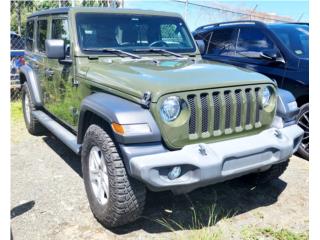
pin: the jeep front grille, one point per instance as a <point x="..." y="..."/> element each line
<point x="217" y="112"/>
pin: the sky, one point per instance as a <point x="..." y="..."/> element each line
<point x="197" y="16"/>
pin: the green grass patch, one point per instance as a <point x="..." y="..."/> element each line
<point x="271" y="234"/>
<point x="16" y="111"/>
<point x="199" y="224"/>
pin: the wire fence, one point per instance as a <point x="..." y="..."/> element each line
<point x="16" y="61"/>
<point x="198" y="13"/>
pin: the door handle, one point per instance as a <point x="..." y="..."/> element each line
<point x="49" y="72"/>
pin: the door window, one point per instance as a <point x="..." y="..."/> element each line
<point x="222" y="43"/>
<point x="251" y="42"/>
<point x="42" y="35"/>
<point x="60" y="30"/>
<point x="29" y="35"/>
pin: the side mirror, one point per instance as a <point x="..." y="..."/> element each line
<point x="55" y="49"/>
<point x="272" y="55"/>
<point x="201" y="46"/>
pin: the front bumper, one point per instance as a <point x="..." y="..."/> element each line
<point x="204" y="164"/>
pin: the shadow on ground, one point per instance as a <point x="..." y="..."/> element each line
<point x="21" y="209"/>
<point x="228" y="199"/>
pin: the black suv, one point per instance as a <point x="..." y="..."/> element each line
<point x="278" y="50"/>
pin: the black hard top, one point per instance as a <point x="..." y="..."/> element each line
<point x="50" y="12"/>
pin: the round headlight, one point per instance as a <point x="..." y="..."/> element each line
<point x="170" y="108"/>
<point x="266" y="96"/>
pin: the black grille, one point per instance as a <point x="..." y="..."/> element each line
<point x="236" y="107"/>
<point x="239" y="107"/>
<point x="248" y="100"/>
<point x="217" y="111"/>
<point x="257" y="105"/>
<point x="228" y="101"/>
<point x="205" y="109"/>
<point x="192" y="121"/>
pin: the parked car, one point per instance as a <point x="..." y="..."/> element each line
<point x="16" y="56"/>
<point x="129" y="92"/>
<point x="278" y="50"/>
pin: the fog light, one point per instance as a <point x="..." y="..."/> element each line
<point x="174" y="173"/>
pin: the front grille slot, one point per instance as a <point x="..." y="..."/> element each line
<point x="248" y="101"/>
<point x="192" y="121"/>
<point x="217" y="111"/>
<point x="205" y="110"/>
<point x="238" y="107"/>
<point x="257" y="105"/>
<point x="223" y="112"/>
<point x="228" y="101"/>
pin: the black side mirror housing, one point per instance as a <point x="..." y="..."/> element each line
<point x="201" y="46"/>
<point x="272" y="55"/>
<point x="55" y="49"/>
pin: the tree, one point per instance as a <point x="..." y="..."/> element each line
<point x="19" y="10"/>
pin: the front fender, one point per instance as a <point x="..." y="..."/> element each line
<point x="114" y="109"/>
<point x="33" y="84"/>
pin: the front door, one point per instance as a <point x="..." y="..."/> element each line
<point x="65" y="102"/>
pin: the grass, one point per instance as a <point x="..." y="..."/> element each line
<point x="198" y="225"/>
<point x="271" y="234"/>
<point x="16" y="111"/>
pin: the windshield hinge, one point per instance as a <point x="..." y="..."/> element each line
<point x="146" y="100"/>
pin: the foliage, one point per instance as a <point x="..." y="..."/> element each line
<point x="16" y="111"/>
<point x="269" y="233"/>
<point x="20" y="9"/>
<point x="202" y="225"/>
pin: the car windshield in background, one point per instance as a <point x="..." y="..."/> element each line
<point x="132" y="32"/>
<point x="294" y="36"/>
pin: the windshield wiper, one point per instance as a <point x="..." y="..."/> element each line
<point x="112" y="50"/>
<point x="158" y="50"/>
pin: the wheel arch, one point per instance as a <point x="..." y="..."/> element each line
<point x="112" y="109"/>
<point x="301" y="100"/>
<point x="27" y="75"/>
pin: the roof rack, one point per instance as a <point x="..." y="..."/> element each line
<point x="230" y="23"/>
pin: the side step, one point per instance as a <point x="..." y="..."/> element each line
<point x="59" y="131"/>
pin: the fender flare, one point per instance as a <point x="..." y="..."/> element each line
<point x="287" y="107"/>
<point x="114" y="109"/>
<point x="33" y="84"/>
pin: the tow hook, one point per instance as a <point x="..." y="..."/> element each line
<point x="202" y="150"/>
<point x="277" y="133"/>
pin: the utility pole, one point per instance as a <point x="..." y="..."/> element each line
<point x="186" y="10"/>
<point x="300" y="17"/>
<point x="253" y="10"/>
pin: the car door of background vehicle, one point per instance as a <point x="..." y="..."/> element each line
<point x="242" y="47"/>
<point x="66" y="104"/>
<point x="250" y="42"/>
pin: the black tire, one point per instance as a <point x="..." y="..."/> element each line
<point x="33" y="125"/>
<point x="303" y="122"/>
<point x="264" y="177"/>
<point x="126" y="196"/>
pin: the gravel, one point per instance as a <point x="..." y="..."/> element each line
<point x="48" y="199"/>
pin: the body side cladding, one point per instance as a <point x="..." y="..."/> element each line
<point x="114" y="109"/>
<point x="33" y="84"/>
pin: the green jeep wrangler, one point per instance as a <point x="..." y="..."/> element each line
<point x="129" y="92"/>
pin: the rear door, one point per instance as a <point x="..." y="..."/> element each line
<point x="40" y="60"/>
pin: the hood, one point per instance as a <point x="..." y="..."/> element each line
<point x="135" y="77"/>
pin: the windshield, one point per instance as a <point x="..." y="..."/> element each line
<point x="132" y="32"/>
<point x="295" y="37"/>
